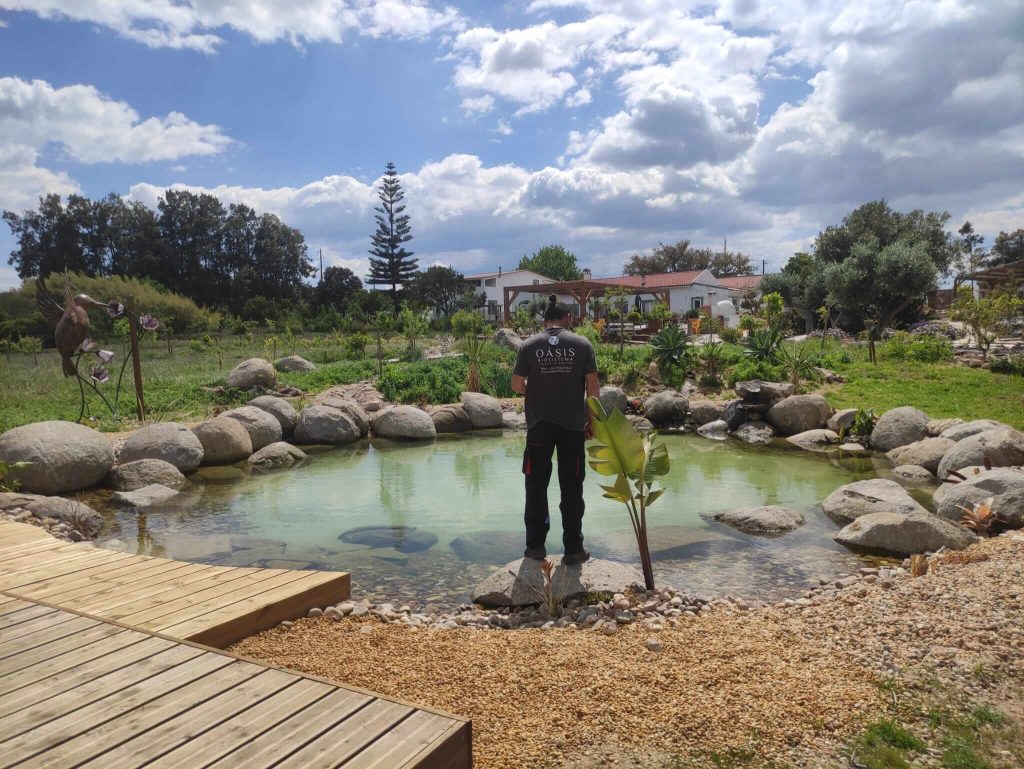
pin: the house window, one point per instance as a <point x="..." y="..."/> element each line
<point x="697" y="302"/>
<point x="492" y="308"/>
<point x="646" y="305"/>
<point x="491" y="282"/>
<point x="536" y="282"/>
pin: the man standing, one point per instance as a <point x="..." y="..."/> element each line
<point x="556" y="370"/>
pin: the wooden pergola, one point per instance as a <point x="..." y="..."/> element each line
<point x="580" y="290"/>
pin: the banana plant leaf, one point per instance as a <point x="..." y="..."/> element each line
<point x="620" y="448"/>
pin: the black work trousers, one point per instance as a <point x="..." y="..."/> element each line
<point x="543" y="440"/>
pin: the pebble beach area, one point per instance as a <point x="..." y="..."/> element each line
<point x="787" y="685"/>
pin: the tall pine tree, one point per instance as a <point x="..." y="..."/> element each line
<point x="390" y="263"/>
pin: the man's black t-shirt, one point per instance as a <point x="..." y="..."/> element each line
<point x="555" y="362"/>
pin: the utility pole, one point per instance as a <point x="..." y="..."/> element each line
<point x="762" y="266"/>
<point x="321" y="265"/>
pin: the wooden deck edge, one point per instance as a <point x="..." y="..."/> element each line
<point x="265" y="617"/>
<point x="453" y="750"/>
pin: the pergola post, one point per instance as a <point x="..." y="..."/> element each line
<point x="510" y="296"/>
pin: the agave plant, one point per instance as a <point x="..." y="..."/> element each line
<point x="763" y="345"/>
<point x="668" y="347"/>
<point x="711" y="355"/>
<point x="635" y="461"/>
<point x="982" y="520"/>
<point x="798" y="363"/>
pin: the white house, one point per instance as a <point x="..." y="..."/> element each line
<point x="493" y="284"/>
<point x="683" y="291"/>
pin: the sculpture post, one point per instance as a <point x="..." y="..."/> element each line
<point x="133" y="327"/>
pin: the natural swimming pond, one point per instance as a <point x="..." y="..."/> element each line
<point x="456" y="507"/>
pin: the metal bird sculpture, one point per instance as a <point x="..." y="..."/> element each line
<point x="71" y="318"/>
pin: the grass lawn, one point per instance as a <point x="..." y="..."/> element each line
<point x="938" y="389"/>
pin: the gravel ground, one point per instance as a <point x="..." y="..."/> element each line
<point x="789" y="685"/>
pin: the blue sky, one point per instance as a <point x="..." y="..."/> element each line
<point x="606" y="125"/>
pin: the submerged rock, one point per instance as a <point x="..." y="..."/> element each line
<point x="521" y="583"/>
<point x="405" y="539"/>
<point x="147" y="496"/>
<point x="902" y="535"/>
<point x="144" y="472"/>
<point x="279" y="454"/>
<point x="768" y="519"/>
<point x="491" y="547"/>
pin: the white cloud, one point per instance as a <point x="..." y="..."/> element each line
<point x="92" y="128"/>
<point x="22" y="181"/>
<point x="481" y="104"/>
<point x="193" y="23"/>
<point x="578" y="98"/>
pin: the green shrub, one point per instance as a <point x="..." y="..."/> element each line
<point x="920" y="348"/>
<point x="355" y="345"/>
<point x="730" y="335"/>
<point x="443" y="379"/>
<point x="748" y="368"/>
<point x="586" y="329"/>
<point x="1011" y="364"/>
<point x="466" y="322"/>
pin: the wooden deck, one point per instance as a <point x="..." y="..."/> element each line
<point x="213" y="605"/>
<point x="77" y="691"/>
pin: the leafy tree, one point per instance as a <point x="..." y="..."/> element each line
<point x="876" y="283"/>
<point x="442" y="289"/>
<point x="877" y="222"/>
<point x="553" y="262"/>
<point x="970" y="254"/>
<point x="1007" y="247"/>
<point x="801" y="285"/>
<point x="337" y="288"/>
<point x="390" y="263"/>
<point x="984" y="316"/>
<point x="681" y="257"/>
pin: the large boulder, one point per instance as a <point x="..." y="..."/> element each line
<point x="613" y="397"/>
<point x="323" y="424"/>
<point x="521" y="582"/>
<point x="63" y="456"/>
<point x="451" y="418"/>
<point x="255" y="372"/>
<point x="716" y="431"/>
<point x="172" y="442"/>
<point x="814" y="440"/>
<point x="278" y="454"/>
<point x="875" y="495"/>
<point x="963" y="429"/>
<point x="912" y="475"/>
<point x="642" y="424"/>
<point x="842" y="420"/>
<point x="898" y="427"/>
<point x="927" y="453"/>
<point x="224" y="441"/>
<point x="1003" y="447"/>
<point x="144" y="472"/>
<point x="294" y="363"/>
<point x="1003" y="484"/>
<point x="404" y="423"/>
<point x="484" y="410"/>
<point x="668" y="407"/>
<point x="704" y="411"/>
<point x="147" y="496"/>
<point x="759" y="391"/>
<point x="77" y="515"/>
<point x="512" y="420"/>
<point x="282" y="410"/>
<point x="733" y="414"/>
<point x="799" y="413"/>
<point x="938" y="426"/>
<point x="506" y="337"/>
<point x="263" y="427"/>
<point x="767" y="519"/>
<point x="755" y="432"/>
<point x="352" y="409"/>
<point x="903" y="535"/>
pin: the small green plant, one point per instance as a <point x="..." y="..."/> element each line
<point x="747" y="322"/>
<point x="634" y="316"/>
<point x="8" y="483"/>
<point x="659" y="311"/>
<point x="413" y="327"/>
<point x="383" y="326"/>
<point x="668" y="347"/>
<point x="772" y="307"/>
<point x="466" y="322"/>
<point x="984" y="316"/>
<point x="635" y="461"/>
<point x="729" y="335"/>
<point x="473" y="348"/>
<point x="711" y="356"/>
<point x="798" y="362"/>
<point x="763" y="345"/>
<point x="355" y="345"/>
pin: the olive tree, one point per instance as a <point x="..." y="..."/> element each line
<point x="984" y="316"/>
<point x="875" y="284"/>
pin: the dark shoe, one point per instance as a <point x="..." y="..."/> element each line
<point x="536" y="553"/>
<point x="574" y="559"/>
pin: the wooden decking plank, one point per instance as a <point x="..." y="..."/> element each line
<point x="37" y="654"/>
<point x="22" y="614"/>
<point x="16" y="567"/>
<point x="150" y="716"/>
<point x="401" y="745"/>
<point x="72" y="722"/>
<point x="122" y="571"/>
<point x="347" y="738"/>
<point x="236" y="728"/>
<point x="289" y="735"/>
<point x="95" y="689"/>
<point x="23" y="642"/>
<point x="69" y="659"/>
<point x="31" y="625"/>
<point x="11" y="534"/>
<point x="213" y="597"/>
<point x="25" y="578"/>
<point x="14" y="549"/>
<point x="10" y="603"/>
<point x="210" y="715"/>
<point x="51" y="686"/>
<point x="260" y="611"/>
<point x="123" y="600"/>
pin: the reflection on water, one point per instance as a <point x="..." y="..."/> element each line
<point x="467" y="493"/>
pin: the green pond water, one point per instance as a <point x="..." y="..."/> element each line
<point x="460" y="503"/>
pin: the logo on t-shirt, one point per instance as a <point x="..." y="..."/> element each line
<point x="553" y="339"/>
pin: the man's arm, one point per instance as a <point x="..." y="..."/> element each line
<point x="593" y="391"/>
<point x="519" y="384"/>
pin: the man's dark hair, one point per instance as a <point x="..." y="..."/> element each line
<point x="555" y="309"/>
